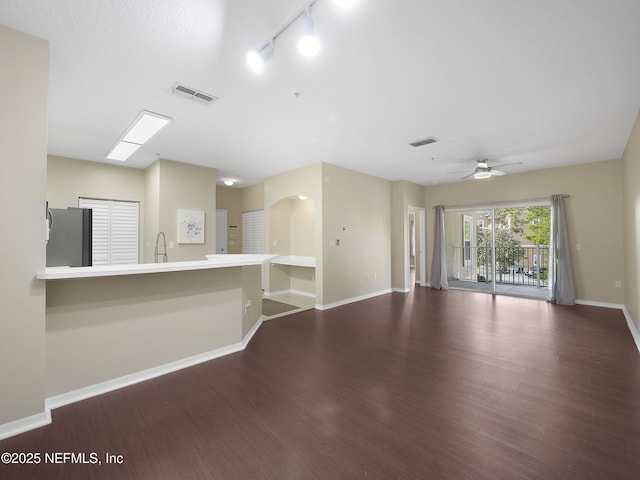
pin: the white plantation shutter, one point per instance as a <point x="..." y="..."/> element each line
<point x="124" y="232"/>
<point x="100" y="235"/>
<point x="115" y="230"/>
<point x="253" y="234"/>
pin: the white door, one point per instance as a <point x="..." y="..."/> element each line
<point x="221" y="231"/>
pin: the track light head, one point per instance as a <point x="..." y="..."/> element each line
<point x="308" y="45"/>
<point x="257" y="59"/>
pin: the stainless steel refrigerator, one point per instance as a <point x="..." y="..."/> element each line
<point x="70" y="237"/>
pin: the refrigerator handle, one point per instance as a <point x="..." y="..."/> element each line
<point x="48" y="223"/>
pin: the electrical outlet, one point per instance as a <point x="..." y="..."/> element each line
<point x="172" y="245"/>
<point x="618" y="284"/>
<point x="578" y="246"/>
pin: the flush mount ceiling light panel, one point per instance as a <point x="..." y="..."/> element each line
<point x="309" y="45"/>
<point x="144" y="127"/>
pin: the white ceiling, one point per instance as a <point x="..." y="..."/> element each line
<point x="546" y="83"/>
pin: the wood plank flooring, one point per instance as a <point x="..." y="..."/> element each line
<point x="425" y="385"/>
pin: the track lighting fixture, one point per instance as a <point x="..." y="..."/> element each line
<point x="308" y="44"/>
<point x="257" y="59"/>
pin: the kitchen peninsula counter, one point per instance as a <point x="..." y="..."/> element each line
<point x="110" y="326"/>
<point x="213" y="261"/>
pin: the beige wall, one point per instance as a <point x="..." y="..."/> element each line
<point x="631" y="174"/>
<point x="23" y="169"/>
<point x="230" y="199"/>
<point x="403" y="196"/>
<point x="594" y="212"/>
<point x="186" y="187"/>
<point x="102" y="328"/>
<point x="162" y="189"/>
<point x="361" y="265"/>
<point x="305" y="181"/>
<point x="252" y="198"/>
<point x="151" y="213"/>
<point x="292" y="232"/>
<point x="68" y="179"/>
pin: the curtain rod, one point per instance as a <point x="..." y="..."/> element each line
<point x="498" y="204"/>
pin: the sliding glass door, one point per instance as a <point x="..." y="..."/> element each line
<point x="499" y="250"/>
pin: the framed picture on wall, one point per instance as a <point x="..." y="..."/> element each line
<point x="190" y="226"/>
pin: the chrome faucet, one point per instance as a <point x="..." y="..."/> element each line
<point x="164" y="244"/>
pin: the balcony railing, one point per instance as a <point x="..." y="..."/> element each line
<point x="523" y="265"/>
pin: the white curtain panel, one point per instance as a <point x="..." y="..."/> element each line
<point x="439" y="263"/>
<point x="563" y="287"/>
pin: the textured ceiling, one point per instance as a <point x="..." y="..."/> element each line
<point x="546" y="83"/>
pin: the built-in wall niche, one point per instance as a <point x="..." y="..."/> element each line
<point x="292" y="226"/>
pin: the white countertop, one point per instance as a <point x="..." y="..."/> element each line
<point x="213" y="261"/>
<point x="295" y="260"/>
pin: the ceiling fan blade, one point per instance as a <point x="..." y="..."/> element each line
<point x="462" y="171"/>
<point x="467" y="176"/>
<point x="505" y="164"/>
<point x="497" y="173"/>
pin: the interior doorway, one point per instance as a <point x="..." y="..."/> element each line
<point x="415" y="258"/>
<point x="221" y="231"/>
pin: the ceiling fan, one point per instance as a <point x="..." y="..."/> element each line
<point x="483" y="170"/>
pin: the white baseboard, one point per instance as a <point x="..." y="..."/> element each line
<point x="252" y="331"/>
<point x="632" y="327"/>
<point x="133" y="378"/>
<point x="401" y="290"/>
<point x="339" y="303"/>
<point x="290" y="292"/>
<point x="25" y="424"/>
<point x="591" y="303"/>
<point x="630" y="324"/>
<point x="42" y="419"/>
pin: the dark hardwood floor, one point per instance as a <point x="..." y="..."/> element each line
<point x="425" y="385"/>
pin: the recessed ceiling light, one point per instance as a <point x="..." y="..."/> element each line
<point x="228" y="183"/>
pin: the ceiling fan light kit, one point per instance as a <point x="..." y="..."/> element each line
<point x="481" y="173"/>
<point x="483" y="170"/>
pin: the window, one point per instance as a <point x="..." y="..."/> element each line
<point x="467" y="222"/>
<point x="115" y="230"/>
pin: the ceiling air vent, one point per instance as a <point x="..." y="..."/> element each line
<point x="193" y="94"/>
<point x="425" y="141"/>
